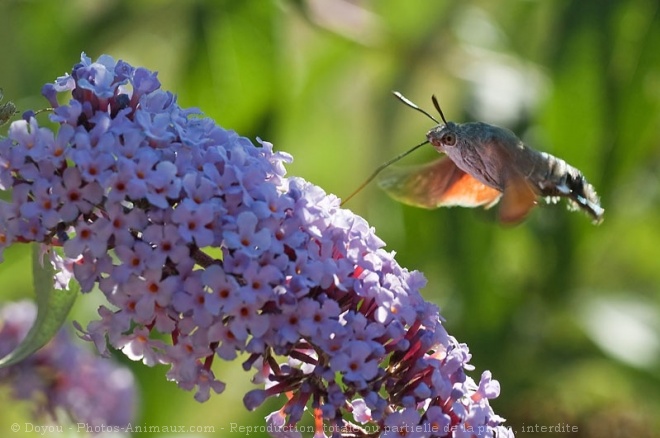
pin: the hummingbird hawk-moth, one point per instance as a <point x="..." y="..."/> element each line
<point x="483" y="165"/>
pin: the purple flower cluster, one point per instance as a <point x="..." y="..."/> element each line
<point x="193" y="232"/>
<point x="65" y="376"/>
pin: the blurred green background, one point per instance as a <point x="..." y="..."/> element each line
<point x="565" y="314"/>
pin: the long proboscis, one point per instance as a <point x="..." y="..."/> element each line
<point x="380" y="169"/>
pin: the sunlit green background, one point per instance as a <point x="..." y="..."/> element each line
<point x="565" y="314"/>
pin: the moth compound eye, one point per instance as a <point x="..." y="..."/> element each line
<point x="448" y="139"/>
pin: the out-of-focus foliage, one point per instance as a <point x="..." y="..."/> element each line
<point x="565" y="314"/>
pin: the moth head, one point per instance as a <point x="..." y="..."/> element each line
<point x="444" y="136"/>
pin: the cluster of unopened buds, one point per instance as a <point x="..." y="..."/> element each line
<point x="192" y="231"/>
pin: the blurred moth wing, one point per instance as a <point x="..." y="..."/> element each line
<point x="439" y="183"/>
<point x="518" y="199"/>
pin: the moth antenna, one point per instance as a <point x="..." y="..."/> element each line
<point x="380" y="169"/>
<point x="403" y="99"/>
<point x="437" y="106"/>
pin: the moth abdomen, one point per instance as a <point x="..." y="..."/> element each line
<point x="564" y="180"/>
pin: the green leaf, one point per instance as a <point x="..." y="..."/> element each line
<point x="7" y="110"/>
<point x="53" y="306"/>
